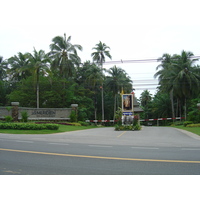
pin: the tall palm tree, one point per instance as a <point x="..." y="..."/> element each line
<point x="145" y="100"/>
<point x="186" y="81"/>
<point x="3" y="68"/>
<point x="177" y="76"/>
<point x="39" y="62"/>
<point x="94" y="79"/>
<point x="19" y="66"/>
<point x="99" y="56"/>
<point x="64" y="55"/>
<point x="117" y="81"/>
<point x="165" y="77"/>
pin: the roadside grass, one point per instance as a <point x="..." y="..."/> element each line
<point x="62" y="128"/>
<point x="195" y="130"/>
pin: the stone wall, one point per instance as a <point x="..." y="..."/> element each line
<point x="40" y="114"/>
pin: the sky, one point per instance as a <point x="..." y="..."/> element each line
<point x="132" y="29"/>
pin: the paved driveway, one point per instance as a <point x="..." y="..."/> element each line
<point x="148" y="136"/>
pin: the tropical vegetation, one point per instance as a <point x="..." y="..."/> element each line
<point x="59" y="78"/>
<point x="179" y="89"/>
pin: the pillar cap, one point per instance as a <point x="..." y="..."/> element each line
<point x="14" y="103"/>
<point x="74" y="105"/>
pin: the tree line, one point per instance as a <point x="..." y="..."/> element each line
<point x="59" y="78"/>
<point x="179" y="88"/>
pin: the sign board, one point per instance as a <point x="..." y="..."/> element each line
<point x="127" y="104"/>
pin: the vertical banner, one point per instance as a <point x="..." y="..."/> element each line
<point x="127" y="104"/>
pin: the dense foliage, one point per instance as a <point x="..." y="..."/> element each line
<point x="179" y="89"/>
<point x="59" y="78"/>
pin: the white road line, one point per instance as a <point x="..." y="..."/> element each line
<point x="23" y="141"/>
<point x="187" y="149"/>
<point x="99" y="146"/>
<point x="144" y="148"/>
<point x="57" y="143"/>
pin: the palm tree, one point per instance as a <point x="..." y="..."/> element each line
<point x="94" y="78"/>
<point x="19" y="66"/>
<point x="99" y="55"/>
<point x="64" y="55"/>
<point x="186" y="81"/>
<point x="145" y="100"/>
<point x="3" y="68"/>
<point x="177" y="76"/>
<point x="39" y="62"/>
<point x="117" y="81"/>
<point x="165" y="77"/>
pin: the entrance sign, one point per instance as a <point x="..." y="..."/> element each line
<point x="127" y="103"/>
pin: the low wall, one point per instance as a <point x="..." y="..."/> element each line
<point x="40" y="114"/>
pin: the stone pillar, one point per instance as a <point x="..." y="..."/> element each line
<point x="198" y="106"/>
<point x="15" y="111"/>
<point x="75" y="107"/>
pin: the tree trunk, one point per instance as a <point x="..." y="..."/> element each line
<point x="172" y="104"/>
<point x="115" y="101"/>
<point x="185" y="110"/>
<point x="37" y="89"/>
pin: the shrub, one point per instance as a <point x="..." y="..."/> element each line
<point x="22" y="126"/>
<point x="128" y="128"/>
<point x="137" y="127"/>
<point x="73" y="117"/>
<point x="8" y="118"/>
<point x="25" y="116"/>
<point x="193" y="125"/>
<point x="83" y="123"/>
<point x="187" y="123"/>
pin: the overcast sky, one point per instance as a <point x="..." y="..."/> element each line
<point x="132" y="29"/>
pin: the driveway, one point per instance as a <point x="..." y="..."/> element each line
<point x="148" y="136"/>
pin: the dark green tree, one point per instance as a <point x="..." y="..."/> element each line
<point x="99" y="56"/>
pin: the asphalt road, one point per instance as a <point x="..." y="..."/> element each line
<point x="153" y="150"/>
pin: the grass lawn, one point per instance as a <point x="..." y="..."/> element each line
<point x="195" y="130"/>
<point x="62" y="128"/>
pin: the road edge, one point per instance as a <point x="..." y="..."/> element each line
<point x="188" y="133"/>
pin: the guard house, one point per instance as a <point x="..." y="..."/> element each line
<point x="136" y="106"/>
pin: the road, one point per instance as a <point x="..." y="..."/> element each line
<point x="153" y="150"/>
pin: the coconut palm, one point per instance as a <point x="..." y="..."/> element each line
<point x="177" y="76"/>
<point x="186" y="82"/>
<point x="117" y="81"/>
<point x="99" y="56"/>
<point x="19" y="67"/>
<point x="64" y="55"/>
<point x="101" y="52"/>
<point x="38" y="62"/>
<point x="3" y="68"/>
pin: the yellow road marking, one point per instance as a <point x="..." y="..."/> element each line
<point x="100" y="157"/>
<point x="121" y="134"/>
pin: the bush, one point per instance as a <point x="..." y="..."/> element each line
<point x="22" y="126"/>
<point x="25" y="116"/>
<point x="127" y="128"/>
<point x="8" y="118"/>
<point x="187" y="123"/>
<point x="73" y="117"/>
<point x="193" y="125"/>
<point x="83" y="123"/>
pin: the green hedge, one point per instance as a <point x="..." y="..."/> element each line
<point x="193" y="125"/>
<point x="27" y="126"/>
<point x="137" y="127"/>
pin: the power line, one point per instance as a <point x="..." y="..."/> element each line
<point x="142" y="60"/>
